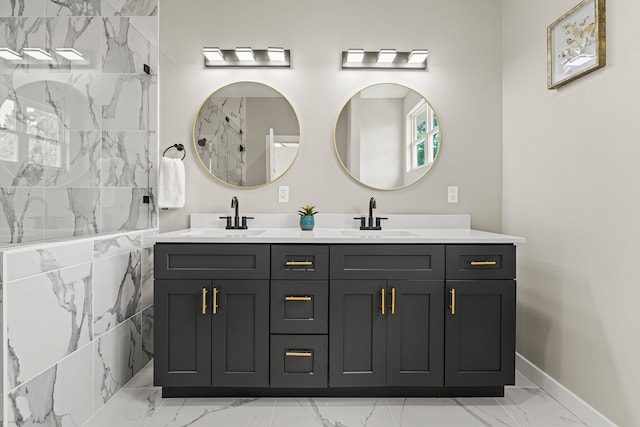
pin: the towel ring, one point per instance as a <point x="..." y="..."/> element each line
<point x="178" y="147"/>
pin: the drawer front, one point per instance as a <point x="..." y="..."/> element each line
<point x="299" y="262"/>
<point x="424" y="262"/>
<point x="299" y="307"/>
<point x="299" y="361"/>
<point x="481" y="262"/>
<point x="211" y="261"/>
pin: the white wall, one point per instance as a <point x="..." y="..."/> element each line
<point x="571" y="174"/>
<point x="463" y="83"/>
<point x="381" y="142"/>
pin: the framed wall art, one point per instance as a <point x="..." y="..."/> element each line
<point x="576" y="43"/>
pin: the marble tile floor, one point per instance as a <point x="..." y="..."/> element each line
<point x="140" y="404"/>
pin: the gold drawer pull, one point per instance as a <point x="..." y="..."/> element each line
<point x="298" y="298"/>
<point x="215" y="301"/>
<point x="298" y="354"/>
<point x="382" y="292"/>
<point x="393" y="300"/>
<point x="298" y="263"/>
<point x="453" y="301"/>
<point x="204" y="300"/>
<point x="483" y="263"/>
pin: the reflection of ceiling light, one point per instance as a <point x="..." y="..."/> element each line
<point x="244" y="54"/>
<point x="276" y="53"/>
<point x="355" y="55"/>
<point x="37" y="53"/>
<point x="6" y="53"/>
<point x="418" y="56"/>
<point x="213" y="54"/>
<point x="386" y="56"/>
<point x="579" y="60"/>
<point x="69" y="54"/>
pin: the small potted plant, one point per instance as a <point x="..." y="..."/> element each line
<point x="306" y="217"/>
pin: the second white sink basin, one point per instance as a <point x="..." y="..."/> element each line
<point x="374" y="233"/>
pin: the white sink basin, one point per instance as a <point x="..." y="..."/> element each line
<point x="221" y="232"/>
<point x="377" y="233"/>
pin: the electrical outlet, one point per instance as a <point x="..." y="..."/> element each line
<point x="452" y="194"/>
<point x="283" y="194"/>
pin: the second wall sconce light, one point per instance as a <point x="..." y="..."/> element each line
<point x="359" y="59"/>
<point x="240" y="57"/>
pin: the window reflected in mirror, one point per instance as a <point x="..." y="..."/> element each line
<point x="29" y="134"/>
<point x="387" y="136"/>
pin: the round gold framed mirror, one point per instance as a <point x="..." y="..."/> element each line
<point x="246" y="134"/>
<point x="387" y="136"/>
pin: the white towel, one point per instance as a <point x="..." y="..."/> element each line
<point x="171" y="183"/>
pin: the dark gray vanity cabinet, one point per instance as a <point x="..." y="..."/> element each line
<point x="334" y="319"/>
<point x="386" y="304"/>
<point x="481" y="314"/>
<point x="214" y="327"/>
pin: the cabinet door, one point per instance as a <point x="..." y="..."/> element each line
<point x="182" y="333"/>
<point x="415" y="333"/>
<point x="357" y="333"/>
<point x="240" y="339"/>
<point x="480" y="333"/>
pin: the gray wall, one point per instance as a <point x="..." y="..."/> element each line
<point x="464" y="85"/>
<point x="262" y="114"/>
<point x="571" y="187"/>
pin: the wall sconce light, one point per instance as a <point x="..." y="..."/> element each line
<point x="385" y="59"/>
<point x="213" y="54"/>
<point x="8" y="54"/>
<point x="37" y="53"/>
<point x="241" y="57"/>
<point x="276" y="54"/>
<point x="354" y="56"/>
<point x="69" y="54"/>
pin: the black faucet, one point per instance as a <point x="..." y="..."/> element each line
<point x="369" y="225"/>
<point x="236" y="218"/>
<point x="372" y="206"/>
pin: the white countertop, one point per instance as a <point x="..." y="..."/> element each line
<point x="400" y="229"/>
<point x="332" y="235"/>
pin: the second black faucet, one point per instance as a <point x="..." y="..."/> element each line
<point x="368" y="223"/>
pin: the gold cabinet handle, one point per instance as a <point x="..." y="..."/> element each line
<point x="382" y="305"/>
<point x="297" y="298"/>
<point x="204" y="300"/>
<point x="298" y="263"/>
<point x="483" y="263"/>
<point x="453" y="301"/>
<point x="298" y="354"/>
<point x="215" y="300"/>
<point x="393" y="300"/>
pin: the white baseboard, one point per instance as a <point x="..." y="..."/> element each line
<point x="587" y="413"/>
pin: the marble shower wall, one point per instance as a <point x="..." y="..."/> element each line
<point x="79" y="322"/>
<point x="221" y="126"/>
<point x="78" y="140"/>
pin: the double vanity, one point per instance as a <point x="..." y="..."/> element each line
<point x="425" y="307"/>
